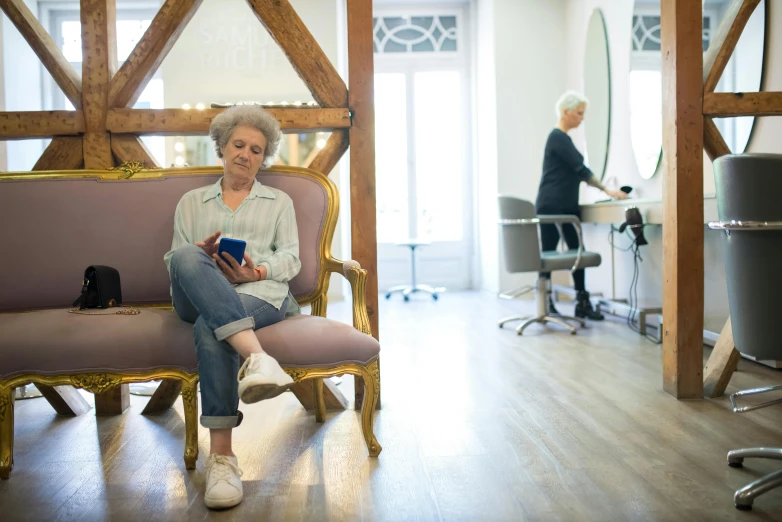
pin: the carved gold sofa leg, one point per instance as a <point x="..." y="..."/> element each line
<point x="6" y="432"/>
<point x="190" y="402"/>
<point x="371" y="375"/>
<point x="320" y="401"/>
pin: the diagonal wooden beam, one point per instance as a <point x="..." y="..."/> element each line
<point x="63" y="153"/>
<point x="128" y="147"/>
<point x="45" y="48"/>
<point x="729" y="104"/>
<point x="99" y="63"/>
<point x="724" y="42"/>
<point x="723" y="361"/>
<point x="713" y="141"/>
<point x="304" y="53"/>
<point x="150" y="51"/>
<point x="183" y="122"/>
<point x="40" y="124"/>
<point x="328" y="157"/>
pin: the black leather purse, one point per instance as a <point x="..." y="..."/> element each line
<point x="101" y="289"/>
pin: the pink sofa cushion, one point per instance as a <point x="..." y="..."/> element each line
<point x="56" y="342"/>
<point x="125" y="224"/>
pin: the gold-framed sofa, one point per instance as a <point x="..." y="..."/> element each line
<point x="64" y="221"/>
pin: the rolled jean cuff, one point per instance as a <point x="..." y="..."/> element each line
<point x="225" y="331"/>
<point x="223" y="422"/>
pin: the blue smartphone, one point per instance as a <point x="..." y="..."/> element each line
<point x="234" y="247"/>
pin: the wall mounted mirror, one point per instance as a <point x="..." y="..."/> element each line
<point x="743" y="74"/>
<point x="597" y="89"/>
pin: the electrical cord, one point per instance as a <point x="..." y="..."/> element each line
<point x="634" y="247"/>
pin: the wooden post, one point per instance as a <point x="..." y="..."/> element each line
<point x="682" y="70"/>
<point x="113" y="401"/>
<point x="99" y="63"/>
<point x="361" y="72"/>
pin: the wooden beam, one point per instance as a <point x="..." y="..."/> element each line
<point x="682" y="74"/>
<point x="724" y="41"/>
<point x="188" y="122"/>
<point x="302" y="50"/>
<point x="723" y="361"/>
<point x="128" y="147"/>
<point x="729" y="104"/>
<point x="99" y="63"/>
<point x="66" y="400"/>
<point x="40" y="124"/>
<point x="45" y="48"/>
<point x="712" y="140"/>
<point x="328" y="157"/>
<point x="150" y="51"/>
<point x="63" y="153"/>
<point x="113" y="401"/>
<point x="363" y="204"/>
<point x="164" y="397"/>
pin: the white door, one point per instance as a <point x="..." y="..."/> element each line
<point x="422" y="137"/>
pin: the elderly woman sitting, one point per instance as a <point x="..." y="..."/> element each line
<point x="226" y="299"/>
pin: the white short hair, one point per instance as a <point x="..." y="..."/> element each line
<point x="569" y="101"/>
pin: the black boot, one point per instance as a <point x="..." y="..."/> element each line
<point x="584" y="308"/>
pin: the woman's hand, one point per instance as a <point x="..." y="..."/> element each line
<point x="209" y="245"/>
<point x="233" y="271"/>
<point x="616" y="194"/>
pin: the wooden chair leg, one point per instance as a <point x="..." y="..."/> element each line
<point x="6" y="432"/>
<point x="320" y="401"/>
<point x="190" y="402"/>
<point x="371" y="375"/>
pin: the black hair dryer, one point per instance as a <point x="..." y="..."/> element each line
<point x="635" y="221"/>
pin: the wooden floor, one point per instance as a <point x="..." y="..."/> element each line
<point x="477" y="424"/>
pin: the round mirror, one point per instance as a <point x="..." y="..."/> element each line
<point x="597" y="89"/>
<point x="742" y="74"/>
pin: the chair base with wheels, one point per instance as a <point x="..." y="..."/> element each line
<point x="541" y="293"/>
<point x="745" y="497"/>
<point x="408" y="290"/>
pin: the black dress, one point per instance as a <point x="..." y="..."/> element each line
<point x="563" y="172"/>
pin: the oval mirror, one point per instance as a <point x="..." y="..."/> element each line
<point x="597" y="89"/>
<point x="743" y="74"/>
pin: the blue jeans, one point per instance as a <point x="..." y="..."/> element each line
<point x="203" y="296"/>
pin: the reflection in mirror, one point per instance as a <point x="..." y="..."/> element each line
<point x="742" y="74"/>
<point x="597" y="89"/>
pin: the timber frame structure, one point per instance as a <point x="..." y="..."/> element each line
<point x="103" y="131"/>
<point x="689" y="105"/>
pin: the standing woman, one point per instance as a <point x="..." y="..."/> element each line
<point x="563" y="172"/>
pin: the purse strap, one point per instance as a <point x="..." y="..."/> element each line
<point x="126" y="310"/>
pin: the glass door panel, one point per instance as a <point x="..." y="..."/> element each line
<point x="439" y="159"/>
<point x="391" y="157"/>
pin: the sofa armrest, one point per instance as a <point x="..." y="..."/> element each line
<point x="357" y="277"/>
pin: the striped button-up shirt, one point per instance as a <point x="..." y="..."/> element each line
<point x="265" y="220"/>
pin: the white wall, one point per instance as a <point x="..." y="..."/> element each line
<point x="621" y="163"/>
<point x="521" y="73"/>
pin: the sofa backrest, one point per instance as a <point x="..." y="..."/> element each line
<point x="56" y="227"/>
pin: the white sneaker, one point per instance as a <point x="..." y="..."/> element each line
<point x="261" y="377"/>
<point x="223" y="485"/>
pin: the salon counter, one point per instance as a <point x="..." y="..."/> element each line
<point x="613" y="212"/>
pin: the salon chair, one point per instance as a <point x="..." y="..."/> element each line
<point x="521" y="243"/>
<point x="749" y="187"/>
